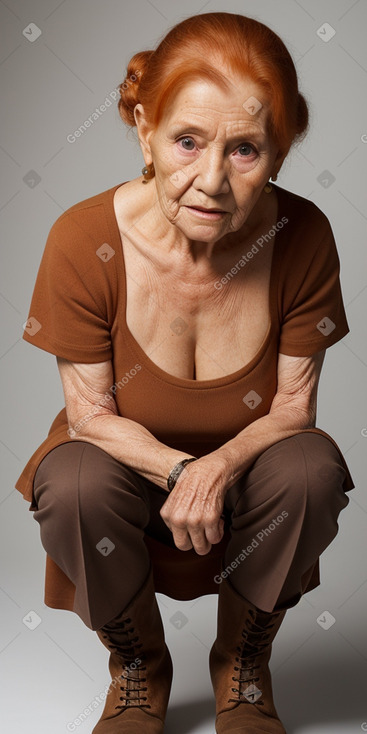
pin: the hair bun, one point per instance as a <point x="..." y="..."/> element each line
<point x="129" y="88"/>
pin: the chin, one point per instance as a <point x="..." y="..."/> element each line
<point x="203" y="233"/>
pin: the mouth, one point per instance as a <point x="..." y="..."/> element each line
<point x="206" y="212"/>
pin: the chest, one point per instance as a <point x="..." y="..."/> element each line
<point x="202" y="330"/>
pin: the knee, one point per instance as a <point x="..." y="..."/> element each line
<point x="303" y="470"/>
<point x="79" y="478"/>
<point x="312" y="477"/>
<point x="323" y="473"/>
<point x="107" y="488"/>
<point x="56" y="479"/>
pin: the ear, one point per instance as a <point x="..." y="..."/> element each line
<point x="145" y="132"/>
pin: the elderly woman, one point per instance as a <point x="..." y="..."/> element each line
<point x="189" y="310"/>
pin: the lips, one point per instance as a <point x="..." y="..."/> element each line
<point x="206" y="209"/>
<point x="206" y="213"/>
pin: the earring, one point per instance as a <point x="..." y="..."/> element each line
<point x="148" y="173"/>
<point x="268" y="188"/>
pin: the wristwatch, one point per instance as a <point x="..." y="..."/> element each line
<point x="176" y="471"/>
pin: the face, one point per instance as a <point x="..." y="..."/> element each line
<point x="212" y="157"/>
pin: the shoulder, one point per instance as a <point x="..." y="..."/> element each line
<point x="301" y="212"/>
<point x="307" y="229"/>
<point x="307" y="255"/>
<point x="81" y="245"/>
<point x="83" y="224"/>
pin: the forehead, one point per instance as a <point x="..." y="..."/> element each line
<point x="243" y="106"/>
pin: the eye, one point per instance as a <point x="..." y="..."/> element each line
<point x="245" y="150"/>
<point x="186" y="143"/>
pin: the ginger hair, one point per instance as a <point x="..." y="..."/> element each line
<point x="198" y="48"/>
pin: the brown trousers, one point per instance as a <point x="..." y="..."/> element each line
<point x="282" y="514"/>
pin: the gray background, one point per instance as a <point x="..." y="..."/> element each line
<point x="49" y="86"/>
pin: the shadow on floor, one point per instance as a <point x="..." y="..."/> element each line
<point x="187" y="717"/>
<point x="323" y="693"/>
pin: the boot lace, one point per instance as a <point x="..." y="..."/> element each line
<point x="119" y="640"/>
<point x="255" y="639"/>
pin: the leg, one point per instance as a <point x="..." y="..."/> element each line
<point x="85" y="496"/>
<point x="141" y="668"/>
<point x="284" y="514"/>
<point x="89" y="501"/>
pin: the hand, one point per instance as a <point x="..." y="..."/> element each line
<point x="193" y="509"/>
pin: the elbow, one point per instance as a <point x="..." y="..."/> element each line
<point x="297" y="419"/>
<point x="307" y="419"/>
<point x="85" y="426"/>
<point x="295" y="415"/>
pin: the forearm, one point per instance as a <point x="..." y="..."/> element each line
<point x="242" y="450"/>
<point x="133" y="445"/>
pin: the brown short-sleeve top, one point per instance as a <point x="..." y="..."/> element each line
<point x="78" y="312"/>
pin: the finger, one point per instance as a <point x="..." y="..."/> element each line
<point x="166" y="516"/>
<point x="214" y="533"/>
<point x="181" y="538"/>
<point x="201" y="545"/>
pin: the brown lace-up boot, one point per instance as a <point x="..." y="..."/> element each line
<point x="238" y="663"/>
<point x="140" y="666"/>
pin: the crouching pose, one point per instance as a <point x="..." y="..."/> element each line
<point x="190" y="310"/>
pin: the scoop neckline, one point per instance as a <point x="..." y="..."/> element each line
<point x="135" y="346"/>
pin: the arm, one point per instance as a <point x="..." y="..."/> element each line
<point x="193" y="509"/>
<point x="92" y="415"/>
<point x="293" y="409"/>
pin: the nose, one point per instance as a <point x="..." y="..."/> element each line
<point x="211" y="176"/>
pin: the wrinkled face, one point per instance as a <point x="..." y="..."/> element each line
<point x="211" y="151"/>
